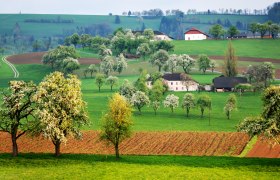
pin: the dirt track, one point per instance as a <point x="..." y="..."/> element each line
<point x="142" y="143"/>
<point x="36" y="58"/>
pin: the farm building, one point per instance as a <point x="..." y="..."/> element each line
<point x="227" y="83"/>
<point x="176" y="83"/>
<point x="158" y="35"/>
<point x="195" y="34"/>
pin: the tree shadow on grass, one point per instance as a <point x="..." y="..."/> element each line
<point x="43" y="160"/>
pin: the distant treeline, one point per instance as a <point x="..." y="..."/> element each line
<point x="57" y="20"/>
<point x="221" y="11"/>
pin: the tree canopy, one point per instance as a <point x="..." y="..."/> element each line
<point x="230" y="62"/>
<point x="61" y="109"/>
<point x="17" y="110"/>
<point x="268" y="123"/>
<point x="116" y="123"/>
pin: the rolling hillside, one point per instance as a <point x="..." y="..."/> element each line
<point x="8" y="21"/>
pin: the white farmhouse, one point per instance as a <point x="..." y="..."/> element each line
<point x="195" y="34"/>
<point x="158" y="35"/>
<point x="175" y="83"/>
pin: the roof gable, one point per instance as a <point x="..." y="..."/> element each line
<point x="175" y="77"/>
<point x="195" y="31"/>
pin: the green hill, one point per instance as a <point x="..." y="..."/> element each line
<point x="43" y="29"/>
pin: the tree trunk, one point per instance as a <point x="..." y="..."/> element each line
<point x="99" y="88"/>
<point x="202" y="111"/>
<point x="111" y="87"/>
<point x="188" y="110"/>
<point x="139" y="109"/>
<point x="159" y="68"/>
<point x="117" y="150"/>
<point x="14" y="141"/>
<point x="57" y="148"/>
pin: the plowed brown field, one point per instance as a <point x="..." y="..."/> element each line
<point x="263" y="148"/>
<point x="141" y="143"/>
<point x="36" y="58"/>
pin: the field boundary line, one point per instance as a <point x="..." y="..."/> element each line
<point x="14" y="69"/>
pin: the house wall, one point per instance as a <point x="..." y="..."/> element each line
<point x="178" y="85"/>
<point x="190" y="37"/>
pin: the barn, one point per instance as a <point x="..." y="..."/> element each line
<point x="227" y="83"/>
<point x="195" y="34"/>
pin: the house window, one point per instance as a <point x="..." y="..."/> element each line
<point x="176" y="88"/>
<point x="171" y="83"/>
<point x="176" y="83"/>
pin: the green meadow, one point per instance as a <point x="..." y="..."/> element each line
<point x="248" y="105"/>
<point x="257" y="48"/>
<point x="70" y="166"/>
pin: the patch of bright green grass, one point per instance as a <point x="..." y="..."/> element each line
<point x="259" y="48"/>
<point x="249" y="146"/>
<point x="71" y="166"/>
<point x="6" y="73"/>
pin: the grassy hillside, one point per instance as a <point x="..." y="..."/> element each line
<point x="6" y="74"/>
<point x="248" y="104"/>
<point x="8" y="21"/>
<point x="70" y="166"/>
<point x="259" y="48"/>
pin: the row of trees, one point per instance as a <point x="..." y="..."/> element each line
<point x="54" y="109"/>
<point x="218" y="32"/>
<point x="122" y="41"/>
<point x="172" y="12"/>
<point x="172" y="62"/>
<point x="272" y="28"/>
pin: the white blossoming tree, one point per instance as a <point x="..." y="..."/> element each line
<point x="61" y="109"/>
<point x="171" y="101"/>
<point x="112" y="80"/>
<point x="139" y="100"/>
<point x="120" y="64"/>
<point x="17" y="110"/>
<point x="186" y="62"/>
<point x="188" y="102"/>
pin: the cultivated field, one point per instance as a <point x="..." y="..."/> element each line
<point x="141" y="143"/>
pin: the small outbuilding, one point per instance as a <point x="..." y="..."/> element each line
<point x="227" y="83"/>
<point x="195" y="34"/>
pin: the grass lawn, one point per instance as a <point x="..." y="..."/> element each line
<point x="248" y="105"/>
<point x="260" y="48"/>
<point x="45" y="166"/>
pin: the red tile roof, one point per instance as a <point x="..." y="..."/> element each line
<point x="195" y="31"/>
